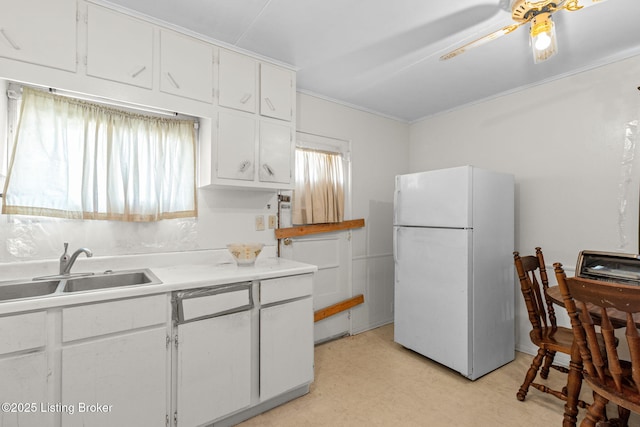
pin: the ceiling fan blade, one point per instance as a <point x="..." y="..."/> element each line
<point x="574" y="5"/>
<point x="482" y="40"/>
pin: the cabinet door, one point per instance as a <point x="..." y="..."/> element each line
<point x="276" y="92"/>
<point x="276" y="151"/>
<point x="39" y="31"/>
<point x="237" y="81"/>
<point x="286" y="347"/>
<point x="119" y="47"/>
<point x="127" y="373"/>
<point x="186" y="66"/>
<point x="214" y="368"/>
<point x="236" y="147"/>
<point x="25" y="381"/>
<point x="25" y="376"/>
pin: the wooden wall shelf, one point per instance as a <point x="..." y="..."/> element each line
<point x="303" y="230"/>
<point x="338" y="308"/>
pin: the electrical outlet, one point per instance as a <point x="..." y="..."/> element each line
<point x="272" y="221"/>
<point x="259" y="222"/>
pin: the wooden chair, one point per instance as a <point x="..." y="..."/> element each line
<point x="608" y="304"/>
<point x="545" y="334"/>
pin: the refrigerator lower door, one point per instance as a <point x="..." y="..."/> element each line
<point x="432" y="294"/>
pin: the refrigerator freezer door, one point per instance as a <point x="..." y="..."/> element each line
<point x="440" y="198"/>
<point x="432" y="277"/>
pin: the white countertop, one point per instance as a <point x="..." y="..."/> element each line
<point x="177" y="271"/>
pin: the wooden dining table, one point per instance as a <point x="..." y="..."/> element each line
<point x="574" y="380"/>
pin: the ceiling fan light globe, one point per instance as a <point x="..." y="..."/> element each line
<point x="543" y="37"/>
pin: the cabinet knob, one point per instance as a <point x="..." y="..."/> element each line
<point x="244" y="166"/>
<point x="137" y="73"/>
<point x="270" y="104"/>
<point x="287" y="241"/>
<point x="173" y="81"/>
<point x="9" y="40"/>
<point x="245" y="98"/>
<point x="268" y="169"/>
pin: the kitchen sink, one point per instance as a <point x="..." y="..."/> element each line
<point x="111" y="279"/>
<point x="30" y="289"/>
<point x="50" y="286"/>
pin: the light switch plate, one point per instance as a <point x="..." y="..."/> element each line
<point x="272" y="221"/>
<point x="259" y="222"/>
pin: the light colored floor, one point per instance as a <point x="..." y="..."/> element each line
<point x="368" y="380"/>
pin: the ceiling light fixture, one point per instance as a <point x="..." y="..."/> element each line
<point x="543" y="37"/>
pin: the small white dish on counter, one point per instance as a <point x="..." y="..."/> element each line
<point x="245" y="254"/>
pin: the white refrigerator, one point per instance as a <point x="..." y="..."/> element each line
<point x="454" y="279"/>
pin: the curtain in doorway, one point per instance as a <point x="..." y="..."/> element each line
<point x="318" y="195"/>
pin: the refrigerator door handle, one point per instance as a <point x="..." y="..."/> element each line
<point x="396" y="200"/>
<point x="395" y="244"/>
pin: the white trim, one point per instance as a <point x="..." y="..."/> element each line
<point x="314" y="141"/>
<point x="354" y="106"/>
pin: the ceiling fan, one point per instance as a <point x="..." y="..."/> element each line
<point x="543" y="34"/>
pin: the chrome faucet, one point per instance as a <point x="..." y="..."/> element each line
<point x="67" y="262"/>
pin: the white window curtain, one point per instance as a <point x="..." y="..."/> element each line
<point x="80" y="160"/>
<point x="318" y="195"/>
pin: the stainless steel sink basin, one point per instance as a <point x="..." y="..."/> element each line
<point x="30" y="289"/>
<point x="49" y="286"/>
<point x="111" y="279"/>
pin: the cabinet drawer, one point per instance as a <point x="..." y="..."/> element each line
<point x="210" y="302"/>
<point x="117" y="316"/>
<point x="23" y="332"/>
<point x="284" y="288"/>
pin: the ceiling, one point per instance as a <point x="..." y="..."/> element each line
<point x="383" y="56"/>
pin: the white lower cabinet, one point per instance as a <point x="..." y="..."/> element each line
<point x="286" y="347"/>
<point x="214" y="368"/>
<point x="286" y="334"/>
<point x="232" y="352"/>
<point x="25" y="371"/>
<point x="116" y="381"/>
<point x="234" y="366"/>
<point x="115" y="363"/>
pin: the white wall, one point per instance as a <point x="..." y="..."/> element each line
<point x="379" y="151"/>
<point x="573" y="147"/>
<point x="224" y="216"/>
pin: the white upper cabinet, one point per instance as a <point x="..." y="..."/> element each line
<point x="275" y="153"/>
<point x="120" y="48"/>
<point x="276" y="92"/>
<point x="252" y="153"/>
<point x="236" y="142"/>
<point x="41" y="32"/>
<point x="237" y="81"/>
<point x="186" y="66"/>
